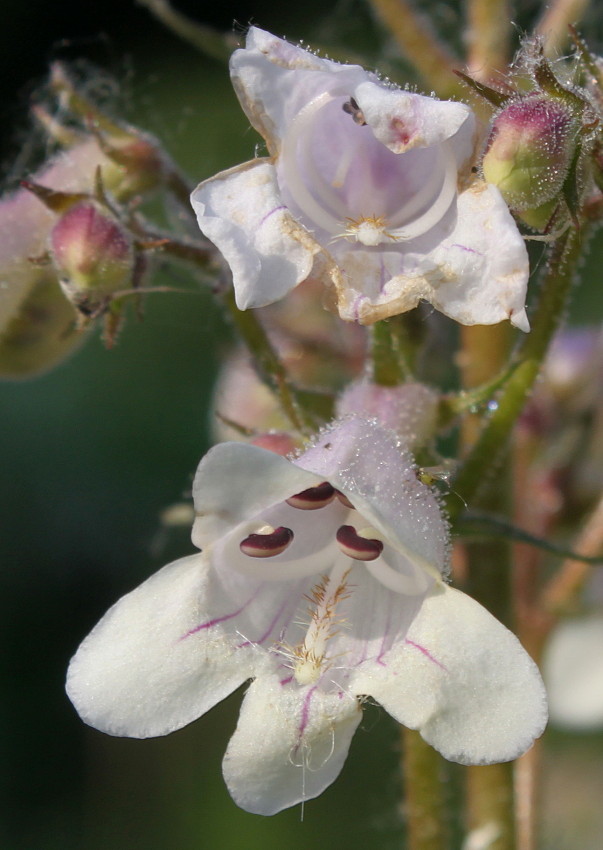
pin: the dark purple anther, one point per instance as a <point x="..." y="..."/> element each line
<point x="267" y="545"/>
<point x="313" y="498"/>
<point x="360" y="548"/>
<point x="344" y="500"/>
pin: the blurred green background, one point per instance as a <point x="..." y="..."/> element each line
<point x="94" y="451"/>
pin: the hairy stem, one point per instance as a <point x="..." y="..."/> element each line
<point x="425" y="803"/>
<point x="392" y="352"/>
<point x="490" y="806"/>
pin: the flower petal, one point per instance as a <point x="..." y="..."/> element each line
<point x="242" y="212"/>
<point x="378" y="475"/>
<point x="274" y="80"/>
<point x="473" y="267"/>
<point x="147" y="668"/>
<point x="463" y="680"/>
<point x="289" y="745"/>
<point x="235" y="481"/>
<point x="486" y="263"/>
<point x="403" y="120"/>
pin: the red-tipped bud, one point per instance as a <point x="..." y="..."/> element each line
<point x="529" y="152"/>
<point x="93" y="254"/>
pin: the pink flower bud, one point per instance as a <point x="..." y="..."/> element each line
<point x="92" y="252"/>
<point x="530" y="150"/>
<point x="409" y="409"/>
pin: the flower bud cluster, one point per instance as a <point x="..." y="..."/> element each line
<point x="72" y="249"/>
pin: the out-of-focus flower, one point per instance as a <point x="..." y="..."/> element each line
<point x="573" y="672"/>
<point x="564" y="417"/>
<point x="322" y="580"/>
<point x="367" y="188"/>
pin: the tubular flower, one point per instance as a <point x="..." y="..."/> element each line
<point x="367" y="188"/>
<point x="321" y="580"/>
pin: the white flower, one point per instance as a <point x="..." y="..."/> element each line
<point x="321" y="604"/>
<point x="367" y="188"/>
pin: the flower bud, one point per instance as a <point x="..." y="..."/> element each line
<point x="529" y="151"/>
<point x="93" y="254"/>
<point x="134" y="161"/>
<point x="409" y="409"/>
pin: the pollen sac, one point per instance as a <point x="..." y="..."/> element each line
<point x="267" y="545"/>
<point x="313" y="498"/>
<point x="351" y="108"/>
<point x="357" y="547"/>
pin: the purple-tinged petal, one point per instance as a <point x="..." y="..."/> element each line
<point x="483" y="263"/>
<point x="463" y="680"/>
<point x="378" y="476"/>
<point x="289" y="745"/>
<point x="473" y="267"/>
<point x="274" y="80"/>
<point x="243" y="214"/>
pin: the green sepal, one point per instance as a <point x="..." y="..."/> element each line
<point x="586" y="57"/>
<point x="496" y="98"/>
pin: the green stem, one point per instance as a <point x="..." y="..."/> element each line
<point x="554" y="296"/>
<point x="304" y="409"/>
<point x="392" y="352"/>
<point x="425" y="799"/>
